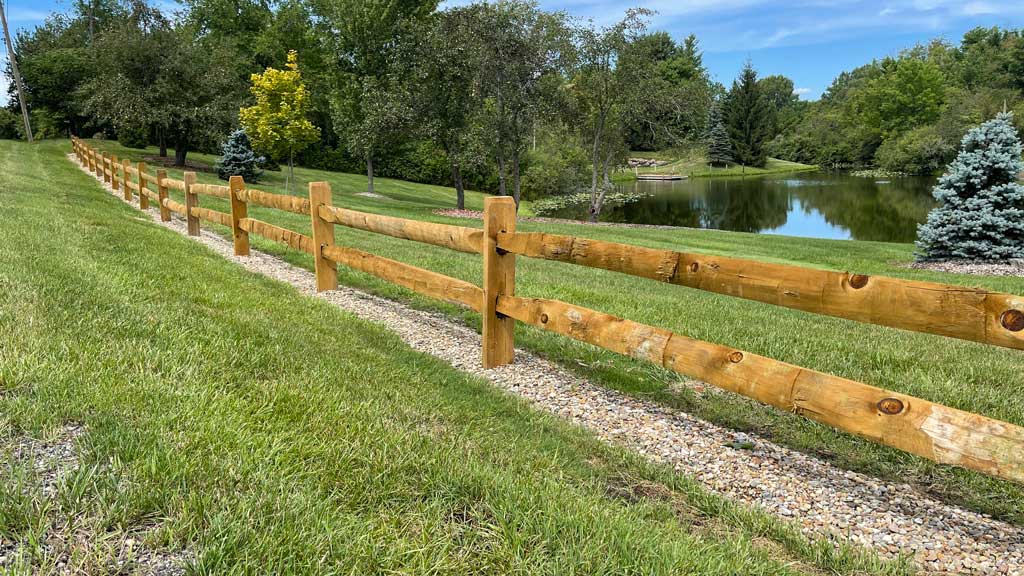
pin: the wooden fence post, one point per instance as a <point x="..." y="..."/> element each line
<point x="125" y="165"/>
<point x="239" y="210"/>
<point x="191" y="201"/>
<point x="499" y="280"/>
<point x="114" y="165"/>
<point x="165" y="212"/>
<point x="143" y="199"/>
<point x="323" y="235"/>
<point x="108" y="168"/>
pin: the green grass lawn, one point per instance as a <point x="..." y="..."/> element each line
<point x="982" y="379"/>
<point x="268" y="432"/>
<point x="695" y="165"/>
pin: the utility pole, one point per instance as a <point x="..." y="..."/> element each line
<point x="15" y="73"/>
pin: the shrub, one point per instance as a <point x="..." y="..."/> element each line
<point x="920" y="151"/>
<point x="981" y="205"/>
<point x="9" y="125"/>
<point x="137" y="137"/>
<point x="238" y="159"/>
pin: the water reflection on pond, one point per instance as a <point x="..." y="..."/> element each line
<point x="808" y="204"/>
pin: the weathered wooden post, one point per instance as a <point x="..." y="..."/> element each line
<point x="126" y="166"/>
<point x="143" y="198"/>
<point x="191" y="201"/>
<point x="323" y="235"/>
<point x="107" y="168"/>
<point x="239" y="210"/>
<point x="114" y="180"/>
<point x="499" y="280"/>
<point x="165" y="212"/>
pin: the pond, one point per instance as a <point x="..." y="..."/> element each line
<point x="809" y="204"/>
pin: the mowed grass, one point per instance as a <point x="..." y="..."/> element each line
<point x="262" y="431"/>
<point x="982" y="379"/>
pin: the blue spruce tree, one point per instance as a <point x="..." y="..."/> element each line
<point x="980" y="215"/>
<point x="238" y="159"/>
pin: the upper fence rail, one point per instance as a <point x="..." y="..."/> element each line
<point x="940" y="433"/>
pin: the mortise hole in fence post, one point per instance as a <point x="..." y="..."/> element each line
<point x="239" y="210"/>
<point x="191" y="201"/>
<point x="165" y="212"/>
<point x="143" y="199"/>
<point x="323" y="235"/>
<point x="499" y="280"/>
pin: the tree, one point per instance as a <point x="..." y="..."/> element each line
<point x="520" y="49"/>
<point x="981" y="206"/>
<point x="238" y="159"/>
<point x="719" y="146"/>
<point x="277" y="122"/>
<point x="445" y="97"/>
<point x="604" y="92"/>
<point x="748" y="119"/>
<point x="370" y="41"/>
<point x="908" y="93"/>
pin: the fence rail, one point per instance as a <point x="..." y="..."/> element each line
<point x="940" y="433"/>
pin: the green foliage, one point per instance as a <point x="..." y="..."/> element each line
<point x="277" y="122"/>
<point x="718" y="143"/>
<point x="748" y="117"/>
<point x="133" y="137"/>
<point x="981" y="205"/>
<point x="919" y="151"/>
<point x="908" y="93"/>
<point x="238" y="159"/>
<point x="9" y="125"/>
<point x="556" y="167"/>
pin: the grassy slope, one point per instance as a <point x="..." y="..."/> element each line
<point x="272" y="433"/>
<point x="696" y="166"/>
<point x="981" y="379"/>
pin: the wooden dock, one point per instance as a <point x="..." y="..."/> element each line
<point x="660" y="177"/>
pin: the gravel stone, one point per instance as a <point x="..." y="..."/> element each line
<point x="824" y="501"/>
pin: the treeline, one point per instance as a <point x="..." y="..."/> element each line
<point x="908" y="113"/>
<point x="502" y="97"/>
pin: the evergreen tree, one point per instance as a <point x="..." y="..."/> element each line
<point x="981" y="206"/>
<point x="238" y="159"/>
<point x="748" y="119"/>
<point x="719" y="146"/>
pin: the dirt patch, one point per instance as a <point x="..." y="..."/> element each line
<point x="974" y="267"/>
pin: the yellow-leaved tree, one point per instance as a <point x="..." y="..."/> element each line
<point x="277" y="123"/>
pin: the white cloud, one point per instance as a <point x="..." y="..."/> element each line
<point x="3" y="89"/>
<point x="801" y="91"/>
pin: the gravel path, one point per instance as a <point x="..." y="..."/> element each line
<point x="824" y="500"/>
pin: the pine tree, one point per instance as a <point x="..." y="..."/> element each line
<point x="981" y="206"/>
<point x="719" y="146"/>
<point x="238" y="159"/>
<point x="748" y="118"/>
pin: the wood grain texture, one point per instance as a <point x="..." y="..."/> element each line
<point x="126" y="168"/>
<point x="239" y="211"/>
<point x="288" y="203"/>
<point x="174" y="206"/>
<point x="457" y="238"/>
<point x="191" y="203"/>
<point x="140" y="172"/>
<point x="173" y="184"/>
<point x="499" y="279"/>
<point x="278" y="234"/>
<point x="940" y="433"/>
<point x="115" y="178"/>
<point x="953" y="311"/>
<point x="326" y="270"/>
<point x="212" y="190"/>
<point x="161" y="178"/>
<point x="416" y="279"/>
<point x="211" y="216"/>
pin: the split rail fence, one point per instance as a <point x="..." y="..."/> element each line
<point x="940" y="433"/>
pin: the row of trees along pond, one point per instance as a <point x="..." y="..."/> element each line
<point x="502" y="97"/>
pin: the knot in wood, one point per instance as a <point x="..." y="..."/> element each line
<point x="694" y="267"/>
<point x="858" y="281"/>
<point x="1012" y="320"/>
<point x="890" y="406"/>
<point x="735" y="357"/>
<point x="543" y="318"/>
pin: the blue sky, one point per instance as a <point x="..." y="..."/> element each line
<point x="811" y="41"/>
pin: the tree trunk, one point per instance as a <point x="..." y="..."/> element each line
<point x="291" y="173"/>
<point x="515" y="177"/>
<point x="369" y="173"/>
<point x="180" y="151"/>
<point x="460" y="192"/>
<point x="501" y="172"/>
